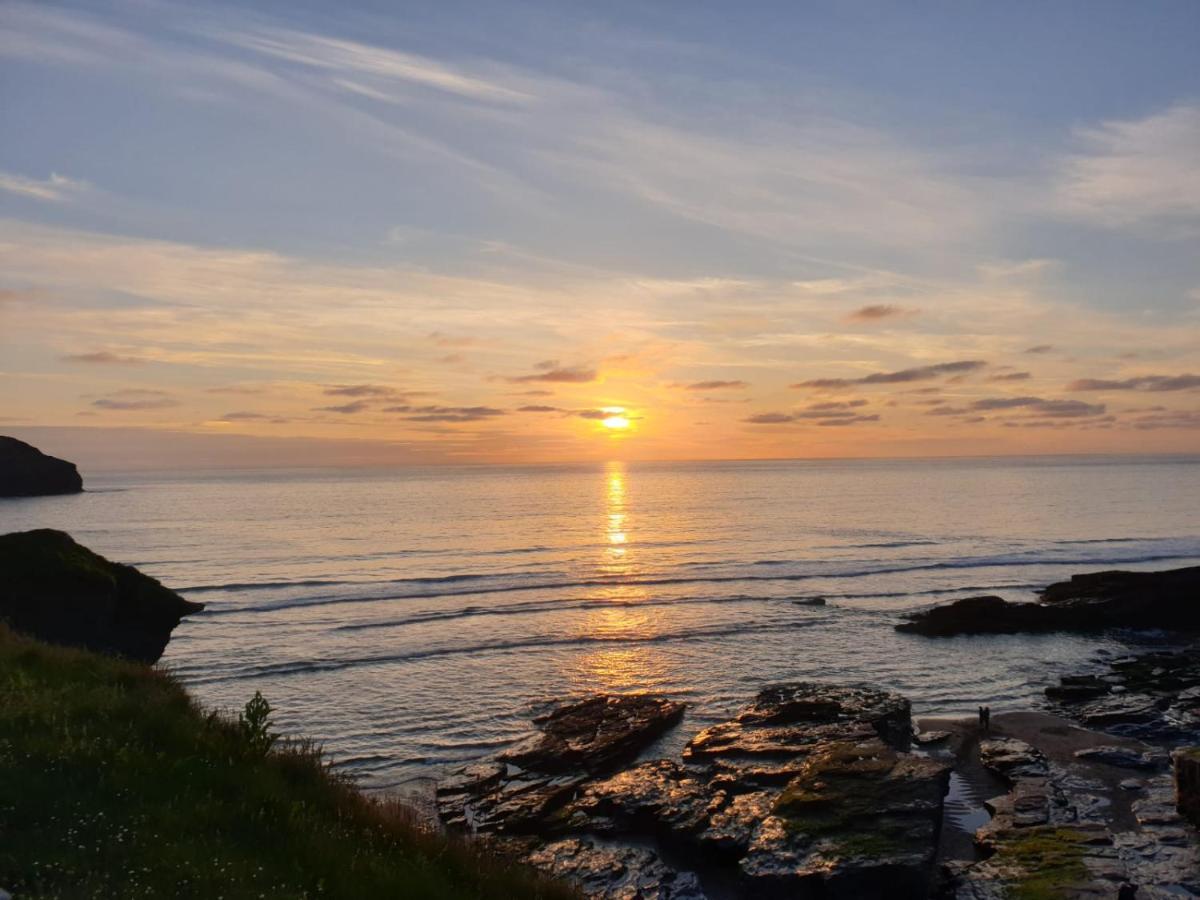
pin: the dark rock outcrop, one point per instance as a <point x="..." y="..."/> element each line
<point x="810" y="791"/>
<point x="1153" y="696"/>
<point x="1186" y="763"/>
<point x="59" y="591"/>
<point x="1087" y="603"/>
<point x="25" y="471"/>
<point x="595" y="734"/>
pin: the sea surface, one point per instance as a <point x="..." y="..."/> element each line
<point x="409" y="619"/>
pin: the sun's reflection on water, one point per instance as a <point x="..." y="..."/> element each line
<point x="625" y="661"/>
<point x="615" y="520"/>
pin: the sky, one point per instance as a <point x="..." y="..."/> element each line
<point x="420" y="233"/>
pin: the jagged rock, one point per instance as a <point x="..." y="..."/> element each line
<point x="1127" y="708"/>
<point x="1186" y="763"/>
<point x="1075" y="688"/>
<point x="1118" y="756"/>
<point x="1155" y="696"/>
<point x="59" y="591"/>
<point x="930" y="737"/>
<point x="595" y="734"/>
<point x="788" y="719"/>
<point x="1011" y="758"/>
<point x="25" y="471"/>
<point x="614" y="872"/>
<point x="660" y="795"/>
<point x="808" y="791"/>
<point x="860" y="819"/>
<point x="1089" y="602"/>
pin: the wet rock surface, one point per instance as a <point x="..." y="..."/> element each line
<point x="1086" y="603"/>
<point x="810" y="791"/>
<point x="1073" y="825"/>
<point x="1154" y="696"/>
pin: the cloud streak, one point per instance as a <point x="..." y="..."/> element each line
<point x="1138" y="383"/>
<point x="903" y="376"/>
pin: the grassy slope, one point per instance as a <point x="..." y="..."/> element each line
<point x="114" y="784"/>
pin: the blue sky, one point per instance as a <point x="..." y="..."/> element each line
<point x="434" y="198"/>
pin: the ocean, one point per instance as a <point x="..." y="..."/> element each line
<point x="410" y="619"/>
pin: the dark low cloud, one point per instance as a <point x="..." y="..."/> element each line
<point x="1168" y="419"/>
<point x="233" y="389"/>
<point x="848" y="420"/>
<point x="715" y="385"/>
<point x="104" y="358"/>
<point x="135" y="400"/>
<point x="451" y="413"/>
<point x="1140" y="383"/>
<point x="1011" y="376"/>
<point x="824" y="414"/>
<point x="1056" y="409"/>
<point x="537" y="408"/>
<point x="1040" y="348"/>
<point x="1035" y="406"/>
<point x="1006" y="402"/>
<point x="920" y="373"/>
<point x="836" y="404"/>
<point x="594" y="413"/>
<point x="242" y="416"/>
<point x="772" y="418"/>
<point x="345" y="409"/>
<point x="360" y="390"/>
<point x="876" y="311"/>
<point x="552" y="372"/>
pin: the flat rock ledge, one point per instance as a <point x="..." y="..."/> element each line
<point x="1055" y="833"/>
<point x="1153" y="696"/>
<point x="810" y="791"/>
<point x="1087" y="603"/>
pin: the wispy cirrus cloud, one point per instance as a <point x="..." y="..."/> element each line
<point x="55" y="189"/>
<point x="386" y="67"/>
<point x="1137" y="171"/>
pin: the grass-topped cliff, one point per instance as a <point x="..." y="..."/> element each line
<point x="113" y="783"/>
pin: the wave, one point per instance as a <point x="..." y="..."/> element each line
<point x="660" y="580"/>
<point x="333" y="665"/>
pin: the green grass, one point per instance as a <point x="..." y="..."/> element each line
<point x="113" y="783"/>
<point x="1052" y="859"/>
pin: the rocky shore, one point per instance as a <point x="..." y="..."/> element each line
<point x="828" y="791"/>
<point x="811" y="790"/>
<point x="1092" y="602"/>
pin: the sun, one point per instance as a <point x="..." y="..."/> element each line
<point x="615" y="418"/>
